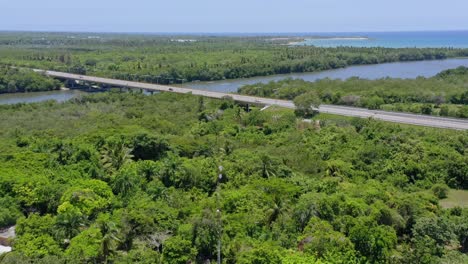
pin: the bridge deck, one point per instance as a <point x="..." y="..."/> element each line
<point x="403" y="118"/>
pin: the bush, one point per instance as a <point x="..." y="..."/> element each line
<point x="9" y="211"/>
<point x="307" y="104"/>
<point x="374" y="102"/>
<point x="463" y="112"/>
<point x="260" y="255"/>
<point x="440" y="190"/>
<point x="178" y="250"/>
<point x="426" y="109"/>
<point x="444" y="110"/>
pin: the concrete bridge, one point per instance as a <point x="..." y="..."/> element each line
<point x="403" y="118"/>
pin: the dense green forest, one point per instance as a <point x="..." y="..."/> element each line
<point x="173" y="59"/>
<point x="129" y="178"/>
<point x="445" y="94"/>
<point x="16" y="80"/>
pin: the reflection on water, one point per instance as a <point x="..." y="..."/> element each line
<point x="59" y="96"/>
<point x="393" y="70"/>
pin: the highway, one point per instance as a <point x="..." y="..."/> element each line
<point x="403" y="118"/>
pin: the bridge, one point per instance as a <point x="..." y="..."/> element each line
<point x="402" y="118"/>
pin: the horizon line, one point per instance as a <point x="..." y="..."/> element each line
<point x="226" y="32"/>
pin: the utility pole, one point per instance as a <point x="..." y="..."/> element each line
<point x="218" y="212"/>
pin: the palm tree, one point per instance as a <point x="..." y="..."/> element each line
<point x="115" y="155"/>
<point x="68" y="225"/>
<point x="238" y="114"/>
<point x="276" y="210"/>
<point x="123" y="183"/>
<point x="110" y="237"/>
<point x="267" y="166"/>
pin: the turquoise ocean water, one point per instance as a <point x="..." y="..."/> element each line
<point x="429" y="39"/>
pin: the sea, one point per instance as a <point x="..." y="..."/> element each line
<point x="420" y="39"/>
<point x="428" y="39"/>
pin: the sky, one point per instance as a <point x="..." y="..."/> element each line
<point x="241" y="16"/>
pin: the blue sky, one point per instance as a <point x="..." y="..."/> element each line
<point x="233" y="16"/>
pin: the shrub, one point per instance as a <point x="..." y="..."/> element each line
<point x="440" y="190"/>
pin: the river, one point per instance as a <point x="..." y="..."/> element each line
<point x="405" y="70"/>
<point x="59" y="95"/>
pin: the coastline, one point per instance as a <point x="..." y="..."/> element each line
<point x="292" y="43"/>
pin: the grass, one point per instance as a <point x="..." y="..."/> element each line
<point x="455" y="198"/>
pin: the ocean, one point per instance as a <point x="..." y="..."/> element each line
<point x="427" y="39"/>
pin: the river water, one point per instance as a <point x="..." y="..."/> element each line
<point x="59" y="95"/>
<point x="404" y="70"/>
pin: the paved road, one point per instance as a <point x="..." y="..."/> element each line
<point x="403" y="118"/>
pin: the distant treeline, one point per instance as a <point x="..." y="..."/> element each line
<point x="175" y="59"/>
<point x="445" y="94"/>
<point x="15" y="80"/>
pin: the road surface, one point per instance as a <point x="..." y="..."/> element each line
<point x="403" y="118"/>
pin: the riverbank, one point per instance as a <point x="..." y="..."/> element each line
<point x="404" y="70"/>
<point x="34" y="97"/>
<point x="160" y="60"/>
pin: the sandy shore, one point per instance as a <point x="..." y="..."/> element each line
<point x="327" y="38"/>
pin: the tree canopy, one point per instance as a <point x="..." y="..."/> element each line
<point x="86" y="181"/>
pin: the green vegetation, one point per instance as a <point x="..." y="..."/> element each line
<point x="307" y="104"/>
<point x="129" y="178"/>
<point x="173" y="59"/>
<point x="445" y="94"/>
<point x="16" y="80"/>
<point x="455" y="198"/>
